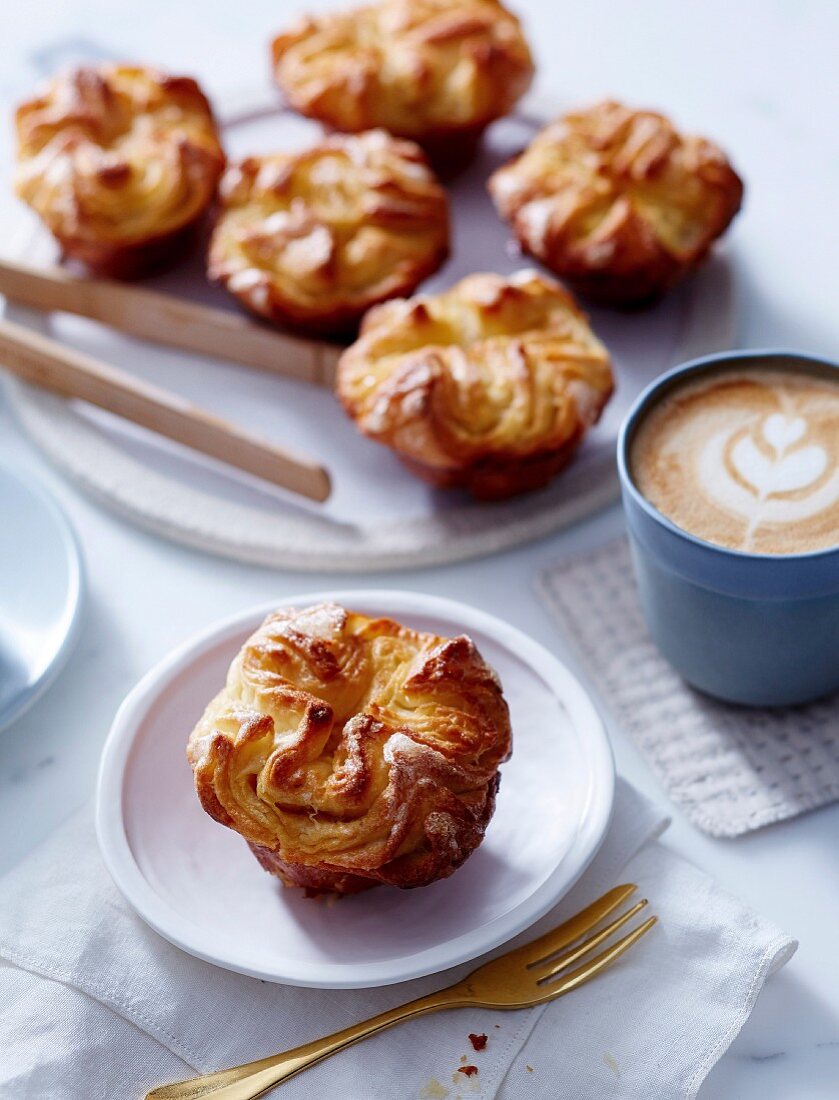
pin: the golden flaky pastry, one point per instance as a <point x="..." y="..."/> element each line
<point x="315" y="238"/>
<point x="491" y="385"/>
<point x="349" y="751"/>
<point x="617" y="202"/>
<point x="432" y="70"/>
<point x="120" y="162"/>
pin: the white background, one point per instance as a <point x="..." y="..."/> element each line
<point x="758" y="77"/>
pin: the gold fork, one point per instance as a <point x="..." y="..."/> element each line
<point x="529" y="975"/>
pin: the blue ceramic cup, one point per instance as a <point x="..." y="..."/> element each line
<point x="759" y="629"/>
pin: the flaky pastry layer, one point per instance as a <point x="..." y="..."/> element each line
<point x="419" y="68"/>
<point x="349" y="751"/>
<point x="317" y="237"/>
<point x="120" y="162"/>
<point x="617" y="202"/>
<point x="490" y="385"/>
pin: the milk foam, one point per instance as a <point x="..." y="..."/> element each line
<point x="747" y="459"/>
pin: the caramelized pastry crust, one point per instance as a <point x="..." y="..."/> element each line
<point x="617" y="202"/>
<point x="425" y="69"/>
<point x="315" y="238"/>
<point x="490" y="386"/>
<point x="349" y="751"/>
<point x="120" y="162"/>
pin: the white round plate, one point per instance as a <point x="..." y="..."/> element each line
<point x="40" y="593"/>
<point x="379" y="515"/>
<point x="198" y="885"/>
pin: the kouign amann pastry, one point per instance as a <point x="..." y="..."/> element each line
<point x="617" y="202"/>
<point x="432" y="70"/>
<point x="351" y="751"/>
<point x="490" y="385"/>
<point x="314" y="238"/>
<point x="121" y="163"/>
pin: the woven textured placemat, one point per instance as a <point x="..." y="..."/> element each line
<point x="732" y="769"/>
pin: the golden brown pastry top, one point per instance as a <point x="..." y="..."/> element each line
<point x="493" y="370"/>
<point x="415" y="67"/>
<point x="318" y="236"/>
<point x="618" y="191"/>
<point x="348" y="744"/>
<point x="117" y="154"/>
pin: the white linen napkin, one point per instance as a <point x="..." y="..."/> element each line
<point x="95" y="1004"/>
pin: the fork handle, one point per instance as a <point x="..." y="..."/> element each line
<point x="255" y="1078"/>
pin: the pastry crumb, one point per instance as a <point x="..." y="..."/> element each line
<point x="478" y="1041"/>
<point x="470" y="1071"/>
<point x="529" y="1069"/>
<point x="611" y="1063"/>
<point x="434" y="1090"/>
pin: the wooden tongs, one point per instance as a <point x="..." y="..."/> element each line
<point x="162" y="319"/>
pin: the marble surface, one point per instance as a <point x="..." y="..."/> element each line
<point x="759" y="78"/>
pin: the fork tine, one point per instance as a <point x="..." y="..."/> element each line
<point x="567" y="958"/>
<point x="600" y="962"/>
<point x="558" y="938"/>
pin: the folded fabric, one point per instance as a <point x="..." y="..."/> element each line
<point x="97" y="1005"/>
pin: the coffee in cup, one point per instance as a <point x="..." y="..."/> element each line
<point x="729" y="469"/>
<point x="746" y="459"/>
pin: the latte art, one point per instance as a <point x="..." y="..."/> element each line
<point x="747" y="459"/>
<point x="783" y="470"/>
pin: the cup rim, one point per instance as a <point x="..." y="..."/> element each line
<point x="647" y="398"/>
